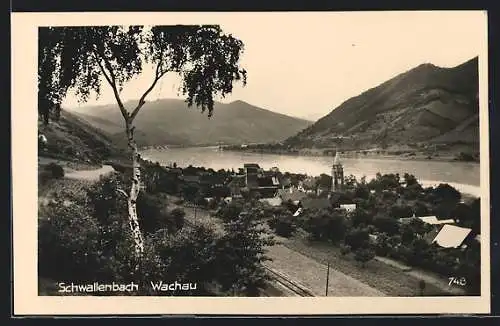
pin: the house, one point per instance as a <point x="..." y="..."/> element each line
<point x="264" y="183"/>
<point x="286" y="183"/>
<point x="274" y="201"/>
<point x="348" y="207"/>
<point x="308" y="184"/>
<point x="291" y="194"/>
<point x="315" y="203"/>
<point x="192" y="179"/>
<point x="235" y="185"/>
<point x="432" y="220"/>
<point x="451" y="236"/>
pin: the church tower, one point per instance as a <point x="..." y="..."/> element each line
<point x="337" y="173"/>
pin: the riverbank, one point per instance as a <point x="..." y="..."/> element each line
<point x="411" y="156"/>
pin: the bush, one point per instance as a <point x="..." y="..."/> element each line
<point x="357" y="238"/>
<point x="364" y="255"/>
<point x="176" y="219"/>
<point x="55" y="170"/>
<point x="382" y="246"/>
<point x="282" y="225"/>
<point x="345" y="249"/>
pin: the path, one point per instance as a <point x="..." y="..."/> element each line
<point x="299" y="268"/>
<point x="89" y="175"/>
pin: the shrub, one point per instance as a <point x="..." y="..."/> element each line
<point x="176" y="219"/>
<point x="69" y="241"/>
<point x="152" y="212"/>
<point x="357" y="238"/>
<point x="382" y="246"/>
<point x="283" y="225"/>
<point x="345" y="249"/>
<point x="364" y="255"/>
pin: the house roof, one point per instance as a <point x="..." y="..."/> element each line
<point x="295" y="195"/>
<point x="451" y="236"/>
<point x="251" y="165"/>
<point x="432" y="220"/>
<point x="272" y="201"/>
<point x="309" y="183"/>
<point x="191" y="178"/>
<point x="348" y="207"/>
<point x="316" y="203"/>
<point x="428" y="219"/>
<point x="266" y="192"/>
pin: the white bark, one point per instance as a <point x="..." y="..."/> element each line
<point x="134" y="193"/>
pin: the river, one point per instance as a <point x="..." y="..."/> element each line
<point x="464" y="176"/>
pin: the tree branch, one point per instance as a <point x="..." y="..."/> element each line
<point x="121" y="191"/>
<point x="158" y="74"/>
<point x="112" y="82"/>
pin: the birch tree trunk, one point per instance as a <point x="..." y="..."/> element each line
<point x="134" y="192"/>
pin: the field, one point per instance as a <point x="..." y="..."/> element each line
<point x="386" y="278"/>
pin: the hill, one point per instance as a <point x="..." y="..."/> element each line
<point x="70" y="138"/>
<point x="171" y="122"/>
<point x="427" y="107"/>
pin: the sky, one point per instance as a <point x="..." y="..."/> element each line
<point x="305" y="64"/>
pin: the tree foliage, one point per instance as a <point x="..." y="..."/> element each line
<point x="81" y="58"/>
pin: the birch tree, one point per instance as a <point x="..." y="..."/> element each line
<point x="83" y="59"/>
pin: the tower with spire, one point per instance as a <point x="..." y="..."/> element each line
<point x="337" y="173"/>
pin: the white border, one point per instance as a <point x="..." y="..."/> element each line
<point x="24" y="158"/>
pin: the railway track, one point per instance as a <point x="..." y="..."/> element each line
<point x="277" y="277"/>
<point x="294" y="287"/>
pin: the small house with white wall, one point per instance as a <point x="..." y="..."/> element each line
<point x="348" y="207"/>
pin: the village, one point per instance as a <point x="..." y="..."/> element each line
<point x="388" y="219"/>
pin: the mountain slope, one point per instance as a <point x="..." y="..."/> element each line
<point x="170" y="121"/>
<point x="425" y="105"/>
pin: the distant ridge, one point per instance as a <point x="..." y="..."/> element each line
<point x="170" y="121"/>
<point x="425" y="106"/>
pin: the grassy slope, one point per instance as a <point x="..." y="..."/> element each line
<point x="73" y="139"/>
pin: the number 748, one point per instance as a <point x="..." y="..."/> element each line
<point x="461" y="281"/>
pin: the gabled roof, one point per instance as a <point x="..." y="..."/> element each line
<point x="251" y="165"/>
<point x="295" y="195"/>
<point x="451" y="236"/>
<point x="432" y="220"/>
<point x="272" y="201"/>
